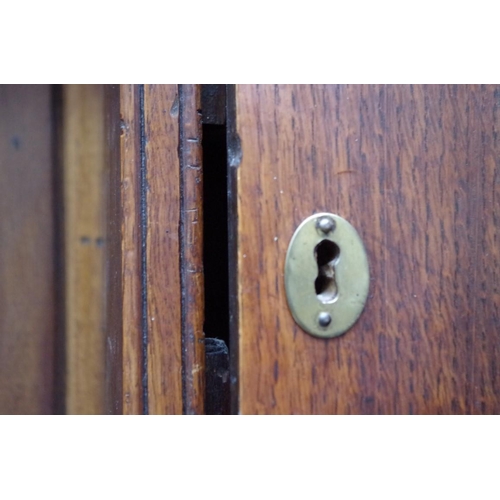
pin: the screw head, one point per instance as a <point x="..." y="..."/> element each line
<point x="326" y="224"/>
<point x="324" y="319"/>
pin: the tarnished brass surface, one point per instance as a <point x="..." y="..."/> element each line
<point x="326" y="275"/>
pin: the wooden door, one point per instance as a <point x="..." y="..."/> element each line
<point x="416" y="170"/>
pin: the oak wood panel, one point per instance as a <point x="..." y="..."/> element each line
<point x="27" y="308"/>
<point x="84" y="232"/>
<point x="415" y="170"/>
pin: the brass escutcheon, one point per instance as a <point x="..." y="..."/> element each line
<point x="326" y="275"/>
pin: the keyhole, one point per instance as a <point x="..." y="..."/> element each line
<point x="326" y="254"/>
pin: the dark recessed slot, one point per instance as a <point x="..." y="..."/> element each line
<point x="326" y="254"/>
<point x="215" y="253"/>
<point x="215" y="262"/>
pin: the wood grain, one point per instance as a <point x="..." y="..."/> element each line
<point x="133" y="394"/>
<point x="154" y="273"/>
<point x="27" y="308"/>
<point x="85" y="240"/>
<point x="191" y="240"/>
<point x="163" y="249"/>
<point x="415" y="169"/>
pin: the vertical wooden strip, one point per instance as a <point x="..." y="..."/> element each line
<point x="59" y="252"/>
<point x="164" y="357"/>
<point x="84" y="230"/>
<point x="191" y="233"/>
<point x="26" y="250"/>
<point x="125" y="357"/>
<point x="131" y="250"/>
<point x="116" y="313"/>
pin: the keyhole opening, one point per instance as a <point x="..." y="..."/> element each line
<point x="326" y="254"/>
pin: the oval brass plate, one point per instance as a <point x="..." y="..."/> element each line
<point x="326" y="275"/>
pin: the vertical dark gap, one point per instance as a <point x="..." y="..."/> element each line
<point x="215" y="250"/>
<point x="59" y="405"/>
<point x="181" y="247"/>
<point x="144" y="226"/>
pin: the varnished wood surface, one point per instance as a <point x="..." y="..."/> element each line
<point x="415" y="169"/>
<point x="26" y="250"/>
<point x="156" y="289"/>
<point x="84" y="232"/>
<point x="163" y="249"/>
<point x="191" y="240"/>
<point x="115" y="130"/>
<point x="133" y="395"/>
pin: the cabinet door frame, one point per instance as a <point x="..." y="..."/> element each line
<point x="155" y="350"/>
